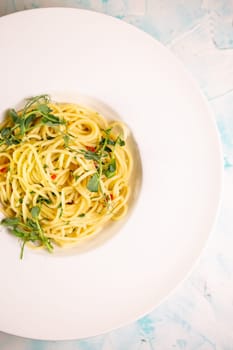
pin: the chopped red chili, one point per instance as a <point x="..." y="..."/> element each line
<point x="91" y="148"/>
<point x="53" y="176"/>
<point x="3" y="170"/>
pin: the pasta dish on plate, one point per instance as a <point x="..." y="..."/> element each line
<point x="64" y="172"/>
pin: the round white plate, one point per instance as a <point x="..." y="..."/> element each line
<point x="75" y="54"/>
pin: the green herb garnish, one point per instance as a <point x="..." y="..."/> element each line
<point x="110" y="171"/>
<point x="93" y="183"/>
<point x="31" y="231"/>
<point x="41" y="200"/>
<point x="103" y="156"/>
<point x="35" y="113"/>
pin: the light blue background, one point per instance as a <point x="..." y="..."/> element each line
<point x="199" y="315"/>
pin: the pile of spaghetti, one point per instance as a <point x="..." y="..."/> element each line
<point x="64" y="172"/>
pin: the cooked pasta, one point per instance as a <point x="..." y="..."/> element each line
<point x="64" y="172"/>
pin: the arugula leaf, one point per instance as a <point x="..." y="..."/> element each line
<point x="8" y="137"/>
<point x="10" y="221"/>
<point x="44" y="109"/>
<point x="5" y="132"/>
<point x="93" y="183"/>
<point x="109" y="141"/>
<point x="108" y="131"/>
<point x="22" y="127"/>
<point x="14" y="116"/>
<point x="121" y="142"/>
<point x="11" y="141"/>
<point x="51" y="120"/>
<point x="19" y="232"/>
<point x="41" y="200"/>
<point x="35" y="211"/>
<point x="32" y="224"/>
<point x="29" y="120"/>
<point x="91" y="155"/>
<point x="111" y="169"/>
<point x="108" y="149"/>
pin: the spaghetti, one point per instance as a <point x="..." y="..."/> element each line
<point x="64" y="172"/>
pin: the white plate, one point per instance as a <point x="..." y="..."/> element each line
<point x="71" y="53"/>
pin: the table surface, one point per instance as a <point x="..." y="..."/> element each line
<point x="199" y="315"/>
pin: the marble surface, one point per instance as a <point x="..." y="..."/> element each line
<point x="199" y="315"/>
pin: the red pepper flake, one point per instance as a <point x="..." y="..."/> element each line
<point x="53" y="176"/>
<point x="111" y="196"/>
<point x="3" y="170"/>
<point x="91" y="148"/>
